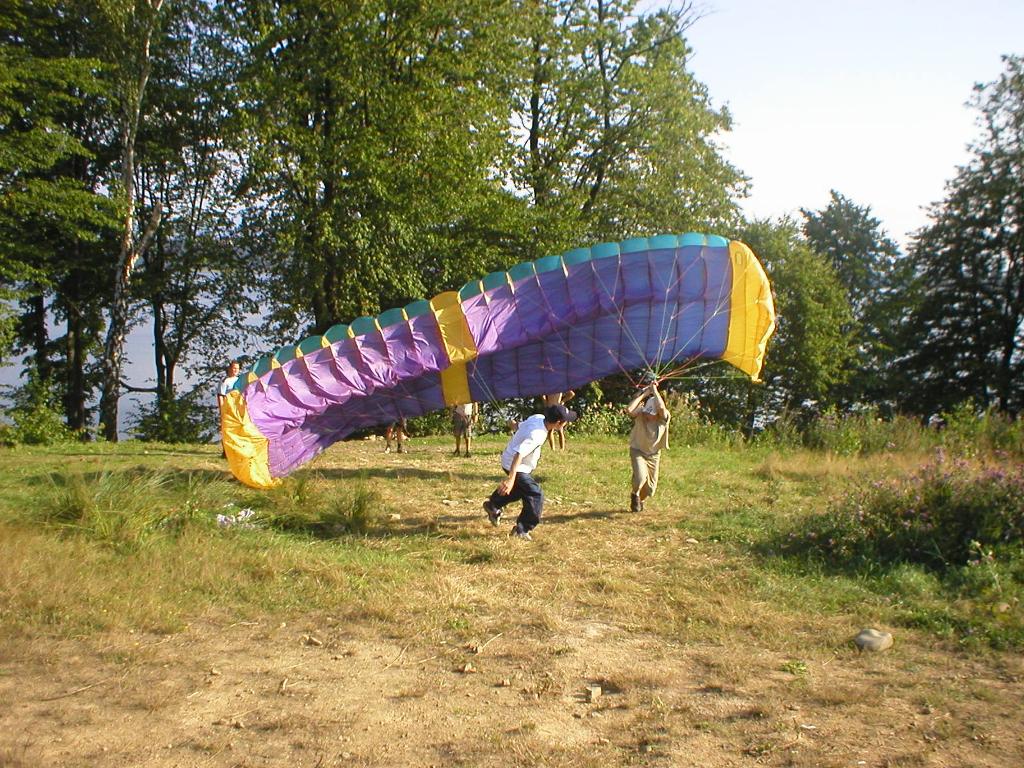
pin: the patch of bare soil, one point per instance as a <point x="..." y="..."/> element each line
<point x="325" y="694"/>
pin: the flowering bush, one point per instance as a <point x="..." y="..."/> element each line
<point x="940" y="517"/>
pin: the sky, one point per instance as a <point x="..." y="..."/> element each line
<point x="862" y="96"/>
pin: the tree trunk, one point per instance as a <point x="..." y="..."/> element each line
<point x="131" y="248"/>
<point x="36" y="320"/>
<point x="75" y="345"/>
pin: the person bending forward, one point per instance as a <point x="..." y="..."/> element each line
<point x="518" y="461"/>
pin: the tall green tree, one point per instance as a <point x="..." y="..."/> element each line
<point x="620" y="137"/>
<point x="195" y="279"/>
<point x="132" y="27"/>
<point x="869" y="265"/>
<point x="376" y="135"/>
<point x="53" y="217"/>
<point x="810" y="356"/>
<point x="965" y="337"/>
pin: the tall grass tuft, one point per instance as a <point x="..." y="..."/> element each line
<point x="122" y="509"/>
<point x="306" y="504"/>
<point x="128" y="509"/>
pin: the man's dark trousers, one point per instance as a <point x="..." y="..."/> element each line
<point x="527" y="489"/>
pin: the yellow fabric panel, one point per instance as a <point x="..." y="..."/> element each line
<point x="454" y="329"/>
<point x="246" y="448"/>
<point x="751" y="312"/>
<point x="458" y="343"/>
<point x="455" y="384"/>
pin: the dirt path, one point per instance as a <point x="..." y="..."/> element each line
<point x="597" y="695"/>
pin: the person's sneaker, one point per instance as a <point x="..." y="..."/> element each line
<point x="493" y="513"/>
<point x="401" y="448"/>
<point x="519" y="533"/>
<point x="635" y="505"/>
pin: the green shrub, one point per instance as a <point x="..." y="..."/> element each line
<point x="36" y="416"/>
<point x="970" y="432"/>
<point x="865" y="432"/>
<point x="861" y="433"/>
<point x="603" y="419"/>
<point x="691" y="424"/>
<point x="434" y="423"/>
<point x="783" y="433"/>
<point x="185" y="419"/>
<point x="835" y="433"/>
<point x="938" y="518"/>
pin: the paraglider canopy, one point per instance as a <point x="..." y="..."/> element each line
<point x="545" y="326"/>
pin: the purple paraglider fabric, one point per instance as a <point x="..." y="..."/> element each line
<point x="545" y="326"/>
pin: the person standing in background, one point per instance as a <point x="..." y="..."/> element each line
<point x="222" y="392"/>
<point x="395" y="431"/>
<point x="464" y="416"/>
<point x="228" y="384"/>
<point x="557" y="435"/>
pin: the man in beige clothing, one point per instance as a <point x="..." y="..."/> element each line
<point x="646" y="441"/>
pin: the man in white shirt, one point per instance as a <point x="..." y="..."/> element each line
<point x="518" y="460"/>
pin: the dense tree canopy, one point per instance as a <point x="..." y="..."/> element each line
<point x="375" y="138"/>
<point x="619" y="135"/>
<point x="875" y="275"/>
<point x="55" y="223"/>
<point x="965" y="337"/>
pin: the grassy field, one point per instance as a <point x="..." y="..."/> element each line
<point x="367" y="614"/>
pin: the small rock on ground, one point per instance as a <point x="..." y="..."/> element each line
<point x="873" y="640"/>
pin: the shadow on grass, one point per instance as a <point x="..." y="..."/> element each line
<point x="178" y="476"/>
<point x="561" y="518"/>
<point x="470" y="524"/>
<point x="184" y="451"/>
